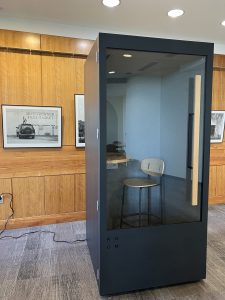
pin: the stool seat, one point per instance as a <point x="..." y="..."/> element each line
<point x="151" y="167"/>
<point x="140" y="182"/>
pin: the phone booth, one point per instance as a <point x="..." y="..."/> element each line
<point x="147" y="127"/>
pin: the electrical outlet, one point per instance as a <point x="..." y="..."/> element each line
<point x="1" y="199"/>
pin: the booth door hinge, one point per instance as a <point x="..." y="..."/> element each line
<point x="97" y="57"/>
<point x="97" y="133"/>
<point x="97" y="205"/>
<point x="97" y="274"/>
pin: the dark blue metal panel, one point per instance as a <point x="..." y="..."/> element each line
<point x="92" y="154"/>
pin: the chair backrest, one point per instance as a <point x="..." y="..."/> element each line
<point x="152" y="166"/>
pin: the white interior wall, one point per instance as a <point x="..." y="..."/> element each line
<point x="142" y="123"/>
<point x="133" y="116"/>
<point x="152" y="114"/>
<point x="174" y="120"/>
<point x="116" y="94"/>
<point x="115" y="119"/>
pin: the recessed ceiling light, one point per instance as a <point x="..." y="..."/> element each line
<point x="111" y="3"/>
<point x="174" y="13"/>
<point x="223" y="23"/>
<point x="127" y="55"/>
<point x="112" y="72"/>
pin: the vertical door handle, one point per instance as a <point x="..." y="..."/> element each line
<point x="190" y="142"/>
<point x="196" y="139"/>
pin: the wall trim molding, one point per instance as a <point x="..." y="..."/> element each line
<point x="216" y="200"/>
<point x="44" y="220"/>
<point x="42" y="52"/>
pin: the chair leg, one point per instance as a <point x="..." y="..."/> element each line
<point x="161" y="199"/>
<point x="149" y="206"/>
<point x="140" y="190"/>
<point x="122" y="207"/>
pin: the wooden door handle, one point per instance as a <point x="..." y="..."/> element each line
<point x="196" y="139"/>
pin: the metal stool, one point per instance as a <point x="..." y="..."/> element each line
<point x="150" y="166"/>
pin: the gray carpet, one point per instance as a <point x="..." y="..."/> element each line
<point x="35" y="267"/>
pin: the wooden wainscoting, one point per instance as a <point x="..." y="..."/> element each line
<point x="43" y="200"/>
<point x="6" y="187"/>
<point x="217" y="156"/>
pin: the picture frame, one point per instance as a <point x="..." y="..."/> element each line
<point x="217" y="126"/>
<point x="79" y="120"/>
<point x="25" y="126"/>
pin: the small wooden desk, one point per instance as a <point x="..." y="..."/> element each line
<point x="114" y="158"/>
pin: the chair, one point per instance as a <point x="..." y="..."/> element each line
<point x="152" y="167"/>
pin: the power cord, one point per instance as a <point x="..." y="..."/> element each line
<point x="12" y="210"/>
<point x="31" y="232"/>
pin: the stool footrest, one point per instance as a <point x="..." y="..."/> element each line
<point x="137" y="214"/>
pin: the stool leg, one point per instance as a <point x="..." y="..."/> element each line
<point x="140" y="190"/>
<point x="122" y="207"/>
<point x="149" y="206"/>
<point x="161" y="199"/>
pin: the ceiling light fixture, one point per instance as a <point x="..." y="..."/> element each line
<point x="223" y="23"/>
<point x="174" y="13"/>
<point x="127" y="55"/>
<point x="111" y="3"/>
<point x="112" y="72"/>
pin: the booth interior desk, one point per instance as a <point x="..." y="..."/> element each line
<point x="116" y="158"/>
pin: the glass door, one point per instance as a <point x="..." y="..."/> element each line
<point x="155" y="105"/>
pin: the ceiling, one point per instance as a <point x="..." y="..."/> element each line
<point x="201" y="20"/>
<point x="147" y="63"/>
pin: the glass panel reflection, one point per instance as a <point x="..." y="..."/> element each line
<point x="150" y="131"/>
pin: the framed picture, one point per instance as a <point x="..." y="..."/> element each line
<point x="217" y="126"/>
<point x="80" y="120"/>
<point x="31" y="126"/>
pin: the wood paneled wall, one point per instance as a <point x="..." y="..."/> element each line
<point x="48" y="185"/>
<point x="217" y="156"/>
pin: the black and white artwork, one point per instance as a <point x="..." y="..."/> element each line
<point x="217" y="126"/>
<point x="80" y="121"/>
<point x="31" y="126"/>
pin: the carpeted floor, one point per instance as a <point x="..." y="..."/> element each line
<point x="36" y="268"/>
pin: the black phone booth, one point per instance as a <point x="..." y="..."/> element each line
<point x="147" y="115"/>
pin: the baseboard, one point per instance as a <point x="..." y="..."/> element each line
<point x="217" y="200"/>
<point x="44" y="220"/>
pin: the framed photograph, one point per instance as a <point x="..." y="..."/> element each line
<point x="31" y="126"/>
<point x="80" y="120"/>
<point x="217" y="126"/>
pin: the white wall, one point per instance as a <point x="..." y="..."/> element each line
<point x="133" y="116"/>
<point x="142" y="123"/>
<point x="116" y="94"/>
<point x="112" y="123"/>
<point x="174" y="120"/>
<point x="152" y="113"/>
